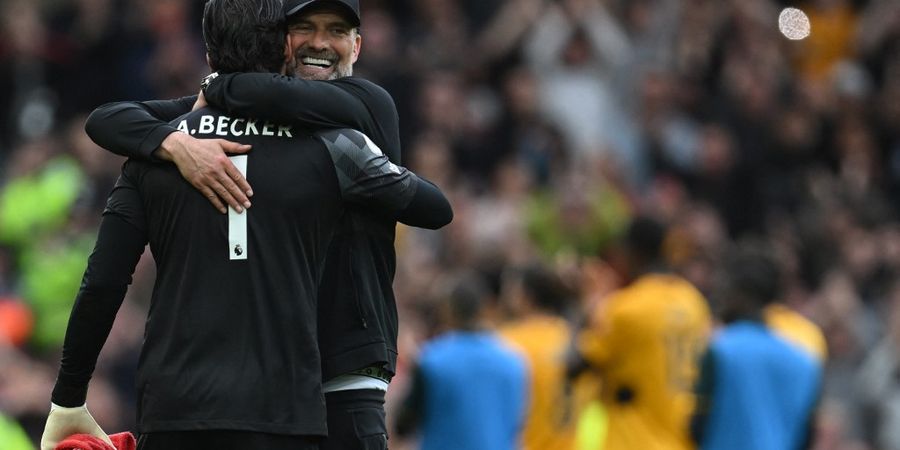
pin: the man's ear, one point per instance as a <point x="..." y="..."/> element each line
<point x="356" y="49"/>
<point x="209" y="63"/>
<point x="287" y="47"/>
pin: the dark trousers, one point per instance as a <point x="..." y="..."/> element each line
<point x="355" y="420"/>
<point x="225" y="440"/>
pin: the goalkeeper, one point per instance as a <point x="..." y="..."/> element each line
<point x="230" y="357"/>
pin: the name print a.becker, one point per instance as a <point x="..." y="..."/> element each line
<point x="226" y="126"/>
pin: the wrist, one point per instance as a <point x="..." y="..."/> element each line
<point x="68" y="393"/>
<point x="54" y="407"/>
<point x="171" y="146"/>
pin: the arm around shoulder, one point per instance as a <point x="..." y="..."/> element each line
<point x="369" y="179"/>
<point x="283" y="98"/>
<point x="135" y="129"/>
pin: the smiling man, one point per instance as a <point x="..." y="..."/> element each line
<point x="324" y="37"/>
<point x="230" y="354"/>
<point x="357" y="313"/>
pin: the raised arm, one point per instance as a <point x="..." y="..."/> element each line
<point x="141" y="130"/>
<point x="367" y="178"/>
<point x="343" y="103"/>
<point x="120" y="243"/>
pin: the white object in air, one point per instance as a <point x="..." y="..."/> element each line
<point x="794" y="24"/>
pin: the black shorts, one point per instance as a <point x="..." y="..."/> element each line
<point x="355" y="420"/>
<point x="225" y="440"/>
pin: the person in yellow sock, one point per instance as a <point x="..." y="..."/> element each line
<point x="590" y="432"/>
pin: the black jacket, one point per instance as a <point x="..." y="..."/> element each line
<point x="357" y="308"/>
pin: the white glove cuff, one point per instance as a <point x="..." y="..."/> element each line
<point x="54" y="407"/>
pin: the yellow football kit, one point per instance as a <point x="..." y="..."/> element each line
<point x="795" y="328"/>
<point x="646" y="340"/>
<point x="550" y="423"/>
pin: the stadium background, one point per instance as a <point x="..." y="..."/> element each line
<point x="548" y="123"/>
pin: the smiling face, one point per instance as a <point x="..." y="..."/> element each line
<point x="324" y="45"/>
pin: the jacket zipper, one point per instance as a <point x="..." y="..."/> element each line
<point x="359" y="309"/>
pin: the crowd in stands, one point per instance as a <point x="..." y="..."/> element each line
<point x="549" y="124"/>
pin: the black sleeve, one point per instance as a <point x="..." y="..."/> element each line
<point x="110" y="267"/>
<point x="367" y="178"/>
<point x="135" y="129"/>
<point x="704" y="390"/>
<point x="344" y="103"/>
<point x="428" y="207"/>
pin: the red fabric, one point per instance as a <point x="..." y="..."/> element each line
<point x="122" y="441"/>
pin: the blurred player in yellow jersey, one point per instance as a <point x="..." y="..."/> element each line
<point x="536" y="297"/>
<point x="645" y="341"/>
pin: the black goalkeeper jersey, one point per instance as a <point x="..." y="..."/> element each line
<point x="231" y="336"/>
<point x="358" y="317"/>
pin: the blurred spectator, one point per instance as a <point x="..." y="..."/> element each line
<point x="755" y="389"/>
<point x="536" y="299"/>
<point x="581" y="215"/>
<point x="12" y="435"/>
<point x="469" y="391"/>
<point x="573" y="51"/>
<point x="723" y="181"/>
<point x="41" y="187"/>
<point x="834" y="22"/>
<point x="878" y="383"/>
<point x="16" y="322"/>
<point x="29" y="59"/>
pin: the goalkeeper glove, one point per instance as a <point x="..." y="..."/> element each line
<point x="63" y="422"/>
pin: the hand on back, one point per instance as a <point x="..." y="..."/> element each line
<point x="204" y="163"/>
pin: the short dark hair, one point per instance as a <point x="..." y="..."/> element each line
<point x="753" y="271"/>
<point x="545" y="288"/>
<point x="244" y="35"/>
<point x="467" y="299"/>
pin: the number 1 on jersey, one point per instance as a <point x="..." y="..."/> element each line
<point x="237" y="223"/>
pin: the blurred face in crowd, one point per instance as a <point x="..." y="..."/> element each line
<point x="323" y="43"/>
